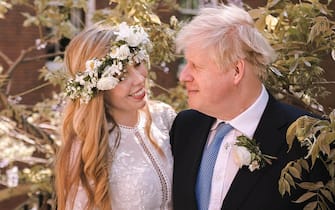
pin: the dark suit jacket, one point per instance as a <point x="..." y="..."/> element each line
<point x="256" y="190"/>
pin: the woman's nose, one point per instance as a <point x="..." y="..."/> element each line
<point x="138" y="77"/>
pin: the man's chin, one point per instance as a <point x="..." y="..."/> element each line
<point x="194" y="105"/>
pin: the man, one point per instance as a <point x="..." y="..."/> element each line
<point x="226" y="64"/>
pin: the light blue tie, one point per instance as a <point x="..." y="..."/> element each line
<point x="204" y="180"/>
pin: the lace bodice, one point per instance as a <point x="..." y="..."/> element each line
<point x="141" y="178"/>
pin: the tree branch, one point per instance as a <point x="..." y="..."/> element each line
<point x="42" y="56"/>
<point x="6" y="58"/>
<point x="18" y="60"/>
<point x="33" y="89"/>
<point x="16" y="63"/>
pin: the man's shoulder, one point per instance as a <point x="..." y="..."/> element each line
<point x="192" y="115"/>
<point x="287" y="110"/>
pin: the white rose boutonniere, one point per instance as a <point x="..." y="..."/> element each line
<point x="246" y="152"/>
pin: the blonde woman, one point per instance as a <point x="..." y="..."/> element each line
<point x="115" y="151"/>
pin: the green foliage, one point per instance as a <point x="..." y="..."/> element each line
<point x="144" y="13"/>
<point x="257" y="158"/>
<point x="4" y="7"/>
<point x="302" y="34"/>
<point x="318" y="136"/>
<point x="29" y="135"/>
<point x="176" y="97"/>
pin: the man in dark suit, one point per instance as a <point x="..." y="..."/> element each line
<point x="226" y="64"/>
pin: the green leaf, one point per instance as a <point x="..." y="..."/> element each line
<point x="290" y="180"/>
<point x="305" y="197"/>
<point x="284" y="187"/>
<point x="290" y="134"/>
<point x="327" y="194"/>
<point x="295" y="172"/>
<point x="304" y="164"/>
<point x="256" y="13"/>
<point x="331" y="169"/>
<point x="330" y="137"/>
<point x="315" y="152"/>
<point x="310" y="185"/>
<point x="311" y="206"/>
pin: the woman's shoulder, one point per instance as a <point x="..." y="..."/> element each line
<point x="162" y="111"/>
<point x="159" y="106"/>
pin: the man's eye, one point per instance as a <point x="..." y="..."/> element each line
<point x="137" y="64"/>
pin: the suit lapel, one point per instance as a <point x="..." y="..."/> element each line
<point x="199" y="134"/>
<point x="187" y="155"/>
<point x="267" y="134"/>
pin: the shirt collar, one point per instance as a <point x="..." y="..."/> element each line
<point x="247" y="121"/>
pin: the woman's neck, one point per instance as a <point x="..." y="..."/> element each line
<point x="126" y="118"/>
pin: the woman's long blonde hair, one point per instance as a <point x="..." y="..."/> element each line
<point x="83" y="157"/>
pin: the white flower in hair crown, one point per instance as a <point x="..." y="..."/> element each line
<point x="246" y="152"/>
<point x="129" y="47"/>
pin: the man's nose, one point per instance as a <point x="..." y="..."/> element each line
<point x="185" y="75"/>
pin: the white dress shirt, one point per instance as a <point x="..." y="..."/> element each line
<point x="226" y="168"/>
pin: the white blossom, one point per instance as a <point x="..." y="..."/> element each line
<point x="241" y="156"/>
<point x="254" y="165"/>
<point x="107" y="83"/>
<point x="111" y="70"/>
<point x="12" y="176"/>
<point x="124" y="31"/>
<point x="124" y="52"/>
<point x="130" y="46"/>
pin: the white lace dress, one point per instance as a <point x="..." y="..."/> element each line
<point x="140" y="178"/>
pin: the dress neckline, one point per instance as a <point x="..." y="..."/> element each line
<point x="140" y="123"/>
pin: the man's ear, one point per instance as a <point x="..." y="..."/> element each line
<point x="239" y="70"/>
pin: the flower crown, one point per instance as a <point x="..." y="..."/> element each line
<point x="129" y="47"/>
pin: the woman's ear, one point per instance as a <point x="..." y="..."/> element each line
<point x="239" y="71"/>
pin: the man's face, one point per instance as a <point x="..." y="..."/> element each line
<point x="209" y="88"/>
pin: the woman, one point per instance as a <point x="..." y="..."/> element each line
<point x="115" y="152"/>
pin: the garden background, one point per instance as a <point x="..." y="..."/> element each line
<point x="34" y="34"/>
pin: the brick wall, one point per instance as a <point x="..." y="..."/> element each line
<point x="13" y="39"/>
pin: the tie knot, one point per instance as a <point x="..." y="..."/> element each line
<point x="221" y="131"/>
<point x="223" y="128"/>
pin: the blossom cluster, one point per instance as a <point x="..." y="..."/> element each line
<point x="129" y="47"/>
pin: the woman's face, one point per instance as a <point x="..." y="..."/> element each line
<point x="130" y="94"/>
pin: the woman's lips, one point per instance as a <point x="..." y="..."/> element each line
<point x="139" y="94"/>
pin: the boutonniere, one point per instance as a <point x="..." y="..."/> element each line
<point x="247" y="153"/>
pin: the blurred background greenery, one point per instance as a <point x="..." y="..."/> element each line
<point x="34" y="34"/>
